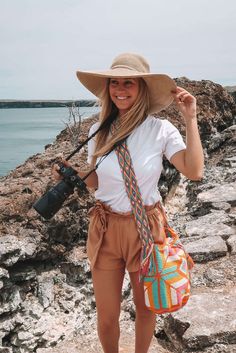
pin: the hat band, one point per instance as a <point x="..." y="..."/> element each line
<point x="124" y="67"/>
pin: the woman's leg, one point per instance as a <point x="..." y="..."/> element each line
<point x="145" y="320"/>
<point x="108" y="291"/>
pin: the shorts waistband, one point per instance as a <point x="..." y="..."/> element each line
<point x="150" y="209"/>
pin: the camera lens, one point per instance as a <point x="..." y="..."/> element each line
<point x="52" y="200"/>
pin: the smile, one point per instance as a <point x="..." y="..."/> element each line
<point x="121" y="98"/>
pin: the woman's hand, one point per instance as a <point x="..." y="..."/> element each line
<point x="185" y="102"/>
<point x="189" y="161"/>
<point x="55" y="169"/>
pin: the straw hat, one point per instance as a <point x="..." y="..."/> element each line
<point x="132" y="65"/>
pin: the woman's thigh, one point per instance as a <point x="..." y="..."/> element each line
<point x="108" y="292"/>
<point x="138" y="293"/>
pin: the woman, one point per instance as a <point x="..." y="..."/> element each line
<point x="132" y="92"/>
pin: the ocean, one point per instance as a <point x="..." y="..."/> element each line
<point x="25" y="132"/>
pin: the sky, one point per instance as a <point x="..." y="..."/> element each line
<point x="44" y="42"/>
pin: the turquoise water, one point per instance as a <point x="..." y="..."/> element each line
<point x="24" y="132"/>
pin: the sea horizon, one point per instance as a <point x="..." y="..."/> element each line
<point x="25" y="132"/>
<point x="46" y="103"/>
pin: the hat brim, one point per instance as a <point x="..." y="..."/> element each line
<point x="160" y="86"/>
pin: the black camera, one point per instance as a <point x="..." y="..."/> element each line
<point x="48" y="205"/>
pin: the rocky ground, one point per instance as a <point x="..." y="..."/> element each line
<point x="46" y="296"/>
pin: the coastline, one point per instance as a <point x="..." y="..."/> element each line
<point x="37" y="103"/>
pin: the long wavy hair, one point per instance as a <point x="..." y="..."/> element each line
<point x="130" y="120"/>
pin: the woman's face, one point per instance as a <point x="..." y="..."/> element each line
<point x="123" y="92"/>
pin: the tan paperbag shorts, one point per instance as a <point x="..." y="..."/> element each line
<point x="113" y="241"/>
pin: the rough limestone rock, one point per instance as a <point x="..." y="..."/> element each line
<point x="10" y="299"/>
<point x="221" y="348"/>
<point x="212" y="224"/>
<point x="14" y="248"/>
<point x="3" y="275"/>
<point x="220" y="193"/>
<point x="231" y="242"/>
<point x="45" y="289"/>
<point x="5" y="350"/>
<point x="47" y="302"/>
<point x="208" y="318"/>
<point x="207" y="249"/>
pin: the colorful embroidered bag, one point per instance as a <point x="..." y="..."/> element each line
<point x="164" y="267"/>
<point x="167" y="281"/>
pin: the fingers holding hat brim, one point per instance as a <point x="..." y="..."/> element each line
<point x="160" y="86"/>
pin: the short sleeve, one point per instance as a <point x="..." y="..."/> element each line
<point x="91" y="143"/>
<point x="174" y="141"/>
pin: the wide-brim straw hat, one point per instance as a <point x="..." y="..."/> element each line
<point x="160" y="86"/>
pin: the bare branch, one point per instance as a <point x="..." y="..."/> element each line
<point x="74" y="123"/>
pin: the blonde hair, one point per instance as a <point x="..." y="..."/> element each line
<point x="130" y="120"/>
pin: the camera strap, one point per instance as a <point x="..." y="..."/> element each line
<point x="102" y="159"/>
<point x="105" y="124"/>
<point x="111" y="118"/>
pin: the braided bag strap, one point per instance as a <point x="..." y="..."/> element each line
<point x="134" y="194"/>
<point x="137" y="205"/>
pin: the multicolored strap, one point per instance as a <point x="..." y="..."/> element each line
<point x="134" y="194"/>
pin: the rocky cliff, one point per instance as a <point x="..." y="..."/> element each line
<point x="232" y="91"/>
<point x="46" y="296"/>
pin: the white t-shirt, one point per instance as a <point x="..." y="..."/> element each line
<point x="147" y="144"/>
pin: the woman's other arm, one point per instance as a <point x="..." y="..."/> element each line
<point x="189" y="162"/>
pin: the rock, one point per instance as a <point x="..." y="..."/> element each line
<point x="54" y="329"/>
<point x="45" y="289"/>
<point x="231" y="162"/>
<point x="208" y="318"/>
<point x="220" y="348"/>
<point x="24" y="341"/>
<point x="220" y="272"/>
<point x="215" y="276"/>
<point x="22" y="337"/>
<point x="225" y="206"/>
<point x="76" y="256"/>
<point x="231" y="242"/>
<point x="220" y="193"/>
<point x="221" y="138"/>
<point x="32" y="311"/>
<point x="10" y="250"/>
<point x="10" y="300"/>
<point x="23" y="273"/>
<point x="212" y="224"/>
<point x="76" y="268"/>
<point x="5" y="350"/>
<point x="206" y="249"/>
<point x="9" y="323"/>
<point x="13" y="249"/>
<point x="3" y="273"/>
